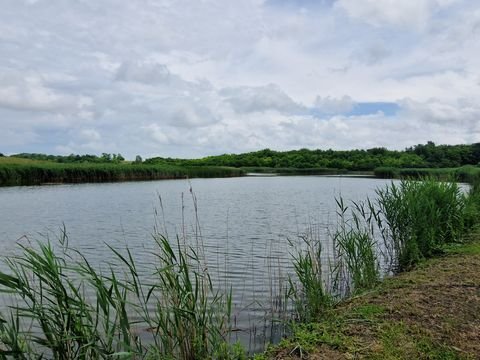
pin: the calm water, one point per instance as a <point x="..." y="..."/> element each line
<point x="245" y="224"/>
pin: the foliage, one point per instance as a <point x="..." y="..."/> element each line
<point x="357" y="264"/>
<point x="419" y="156"/>
<point x="420" y="217"/>
<point x="51" y="315"/>
<point x="415" y="220"/>
<point x="33" y="172"/>
<point x="320" y="281"/>
<point x="359" y="160"/>
<point x="472" y="205"/>
<point x="187" y="306"/>
<point x="447" y="155"/>
<point x="467" y="173"/>
<point x="311" y="296"/>
<point x="405" y="317"/>
<point x="311" y="161"/>
<point x="72" y="158"/>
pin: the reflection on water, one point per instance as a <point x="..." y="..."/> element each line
<point x="245" y="225"/>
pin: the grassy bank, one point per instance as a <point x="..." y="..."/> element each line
<point x="409" y="225"/>
<point x="432" y="312"/>
<point x="294" y="171"/>
<point x="31" y="172"/>
<point x="428" y="233"/>
<point x="466" y="173"/>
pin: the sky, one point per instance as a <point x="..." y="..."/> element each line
<point x="195" y="78"/>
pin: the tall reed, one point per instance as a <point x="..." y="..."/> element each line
<point x="405" y="223"/>
<point x="51" y="315"/>
<point x="351" y="265"/>
<point x="61" y="307"/>
<point x="192" y="320"/>
<point x="309" y="290"/>
<point x="356" y="262"/>
<point x="421" y="217"/>
<point x="37" y="172"/>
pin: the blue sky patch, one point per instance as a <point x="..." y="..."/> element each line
<point x="299" y="3"/>
<point x="370" y="108"/>
<point x="360" y="109"/>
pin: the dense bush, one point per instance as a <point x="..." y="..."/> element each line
<point x="420" y="217"/>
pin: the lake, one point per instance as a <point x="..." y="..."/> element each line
<point x="245" y="224"/>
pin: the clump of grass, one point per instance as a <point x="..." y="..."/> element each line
<point x="421" y="216"/>
<point x="472" y="205"/>
<point x="415" y="220"/>
<point x="50" y="314"/>
<point x="64" y="308"/>
<point x="309" y="292"/>
<point x="386" y="172"/>
<point x="320" y="281"/>
<point x="357" y="264"/>
<point x="187" y="306"/>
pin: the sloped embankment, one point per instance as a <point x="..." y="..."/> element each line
<point x="432" y="312"/>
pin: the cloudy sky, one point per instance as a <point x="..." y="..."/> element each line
<point x="203" y="77"/>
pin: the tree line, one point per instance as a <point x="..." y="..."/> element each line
<point x="419" y="156"/>
<point x="72" y="158"/>
<point x="427" y="155"/>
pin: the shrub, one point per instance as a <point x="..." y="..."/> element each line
<point x="421" y="217"/>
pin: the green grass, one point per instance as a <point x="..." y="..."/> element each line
<point x="357" y="264"/>
<point x="399" y="341"/>
<point x="368" y="311"/>
<point x="310" y="294"/>
<point x="465" y="249"/>
<point x="14" y="171"/>
<point x="293" y="171"/>
<point x="319" y="283"/>
<point x="405" y="317"/>
<point x="394" y="339"/>
<point x="414" y="219"/>
<point x="420" y="218"/>
<point x="467" y="173"/>
<point x="187" y="305"/>
<point x="50" y="315"/>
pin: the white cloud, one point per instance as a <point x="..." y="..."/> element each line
<point x="89" y="135"/>
<point x="183" y="78"/>
<point x="331" y="105"/>
<point x="143" y="72"/>
<point x="29" y="93"/>
<point x="186" y="112"/>
<point x="248" y="99"/>
<point x="464" y="113"/>
<point x="406" y="13"/>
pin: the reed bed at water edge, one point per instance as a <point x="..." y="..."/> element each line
<point x="407" y="222"/>
<point x="50" y="315"/>
<point x="36" y="172"/>
<point x="178" y="314"/>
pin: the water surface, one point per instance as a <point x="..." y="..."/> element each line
<point x="245" y="224"/>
